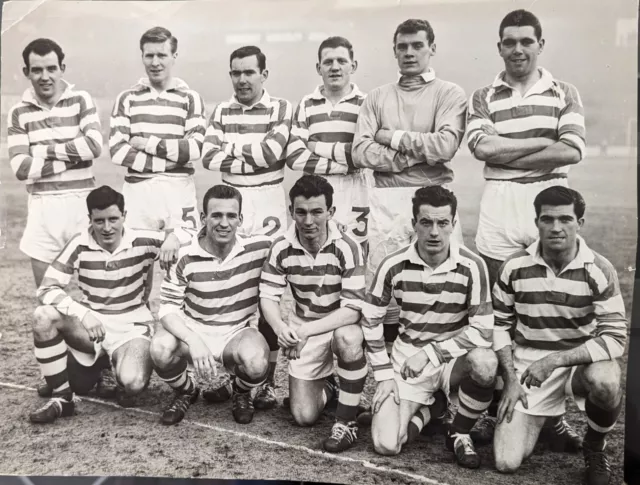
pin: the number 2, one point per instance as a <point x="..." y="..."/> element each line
<point x="188" y="215"/>
<point x="276" y="227"/>
<point x="363" y="217"/>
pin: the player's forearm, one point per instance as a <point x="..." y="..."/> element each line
<point x="568" y="358"/>
<point x="431" y="148"/>
<point x="340" y="318"/>
<point x="499" y="150"/>
<point x="173" y="323"/>
<point x="271" y="313"/>
<point x="375" y="156"/>
<point x="53" y="294"/>
<point x="26" y="167"/>
<point x="505" y="361"/>
<point x="554" y="156"/>
<point x="177" y="151"/>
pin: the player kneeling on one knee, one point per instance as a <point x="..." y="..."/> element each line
<point x="569" y="329"/>
<point x="112" y="318"/>
<point x="325" y="269"/>
<point x="207" y="301"/>
<point x="442" y="289"/>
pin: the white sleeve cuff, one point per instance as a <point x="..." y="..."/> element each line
<point x="383" y="375"/>
<point x="432" y="354"/>
<point x="78" y="311"/>
<point x="165" y="310"/>
<point x="152" y="145"/>
<point x="395" y="139"/>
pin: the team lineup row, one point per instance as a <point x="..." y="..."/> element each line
<point x="559" y="317"/>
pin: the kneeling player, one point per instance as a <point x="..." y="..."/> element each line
<point x="442" y="289"/>
<point x="325" y="269"/>
<point x="565" y="304"/>
<point x="112" y="318"/>
<point x="207" y="301"/>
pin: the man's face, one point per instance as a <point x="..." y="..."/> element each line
<point x="158" y="61"/>
<point x="222" y="220"/>
<point x="433" y="226"/>
<point x="335" y="67"/>
<point x="107" y="225"/>
<point x="519" y="48"/>
<point x="558" y="227"/>
<point x="45" y="74"/>
<point x="311" y="217"/>
<point x="413" y="53"/>
<point x="247" y="79"/>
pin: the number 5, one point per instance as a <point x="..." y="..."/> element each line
<point x="189" y="215"/>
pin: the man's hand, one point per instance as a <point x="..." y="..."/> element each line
<point x="203" y="361"/>
<point x="342" y="227"/>
<point x="94" y="327"/>
<point x="383" y="391"/>
<point x="538" y="372"/>
<point x="414" y="365"/>
<point x="384" y="137"/>
<point x="139" y="143"/>
<point x="169" y="251"/>
<point x="489" y="130"/>
<point x="287" y="337"/>
<point x="303" y="338"/>
<point x="512" y="393"/>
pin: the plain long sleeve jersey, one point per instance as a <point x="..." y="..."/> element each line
<point x="428" y="121"/>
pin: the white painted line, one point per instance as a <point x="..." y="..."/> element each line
<point x="328" y="456"/>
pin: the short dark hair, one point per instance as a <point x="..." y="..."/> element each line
<point x="435" y="196"/>
<point x="309" y="186"/>
<point x="158" y="35"/>
<point x="333" y="43"/>
<point x="222" y="191"/>
<point x="521" y="18"/>
<point x="42" y="47"/>
<point x="559" y="195"/>
<point x="248" y="51"/>
<point x="103" y="198"/>
<point x="413" y="26"/>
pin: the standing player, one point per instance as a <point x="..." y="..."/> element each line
<point x="322" y="133"/>
<point x="447" y="327"/>
<point x="157" y="131"/>
<point x="207" y="301"/>
<point x="112" y="318"/>
<point x="569" y="329"/>
<point x="53" y="137"/>
<point x="245" y="141"/>
<point x="529" y="129"/>
<point x="325" y="270"/>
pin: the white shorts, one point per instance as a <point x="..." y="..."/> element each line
<point x="316" y="359"/>
<point x="161" y="203"/>
<point x="215" y="337"/>
<point x="351" y="200"/>
<point x="420" y="389"/>
<point x="507" y="217"/>
<point x="119" y="329"/>
<point x="390" y="223"/>
<point x="548" y="399"/>
<point x="52" y="220"/>
<point x="264" y="210"/>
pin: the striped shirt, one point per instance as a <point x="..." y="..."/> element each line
<point x="53" y="150"/>
<point x="550" y="109"/>
<point x="247" y="143"/>
<point x="580" y="305"/>
<point x="445" y="311"/>
<point x="174" y="123"/>
<point x="111" y="283"/>
<point x="333" y="279"/>
<point x="212" y="291"/>
<point x="330" y="127"/>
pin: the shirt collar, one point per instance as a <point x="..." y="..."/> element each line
<point x="355" y="93"/>
<point x="333" y="234"/>
<point x="194" y="249"/>
<point x="428" y="76"/>
<point x="545" y="82"/>
<point x="584" y="255"/>
<point x="29" y="96"/>
<point x="128" y="236"/>
<point x="447" y="265"/>
<point x="263" y="102"/>
<point x="175" y="83"/>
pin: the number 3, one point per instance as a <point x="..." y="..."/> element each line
<point x="188" y="215"/>
<point x="363" y="217"/>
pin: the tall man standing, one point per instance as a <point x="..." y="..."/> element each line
<point x="245" y="141"/>
<point x="529" y="129"/>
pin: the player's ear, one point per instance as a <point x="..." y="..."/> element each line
<point x="25" y="71"/>
<point x="318" y="69"/>
<point x="413" y="222"/>
<point x="354" y="66"/>
<point x="291" y="210"/>
<point x="580" y="223"/>
<point x="499" y="45"/>
<point x="203" y="218"/>
<point x="264" y="74"/>
<point x="541" y="42"/>
<point x="63" y="67"/>
<point x="332" y="211"/>
<point x="432" y="48"/>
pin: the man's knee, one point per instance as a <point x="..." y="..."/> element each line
<point x="304" y="415"/>
<point x="254" y="360"/>
<point x="133" y="382"/>
<point x="483" y="365"/>
<point x="348" y="341"/>
<point x="45" y="317"/>
<point x="603" y="381"/>
<point x="507" y="464"/>
<point x="385" y="443"/>
<point x="162" y="349"/>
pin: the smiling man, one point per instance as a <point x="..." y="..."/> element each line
<point x="325" y="270"/>
<point x="445" y="340"/>
<point x="111" y="318"/>
<point x="561" y="301"/>
<point x="246" y="141"/>
<point x="529" y="129"/>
